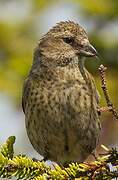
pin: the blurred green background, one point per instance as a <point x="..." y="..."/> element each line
<point x="21" y="25"/>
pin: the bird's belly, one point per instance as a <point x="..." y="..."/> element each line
<point x="64" y="124"/>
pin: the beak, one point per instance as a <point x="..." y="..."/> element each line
<point x="88" y="51"/>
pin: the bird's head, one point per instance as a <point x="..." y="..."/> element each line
<point x="65" y="42"/>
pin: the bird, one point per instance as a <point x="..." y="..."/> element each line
<point x="60" y="99"/>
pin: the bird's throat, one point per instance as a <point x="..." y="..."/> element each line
<point x="82" y="68"/>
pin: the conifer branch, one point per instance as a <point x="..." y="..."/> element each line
<point x="22" y="167"/>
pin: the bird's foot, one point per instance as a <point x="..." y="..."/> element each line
<point x="94" y="154"/>
<point x="64" y="164"/>
<point x="37" y="160"/>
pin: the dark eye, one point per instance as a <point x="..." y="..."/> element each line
<point x="68" y="40"/>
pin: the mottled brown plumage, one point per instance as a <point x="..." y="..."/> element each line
<point x="60" y="99"/>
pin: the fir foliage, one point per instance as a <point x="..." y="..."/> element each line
<point x="23" y="167"/>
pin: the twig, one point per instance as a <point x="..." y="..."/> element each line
<point x="110" y="105"/>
